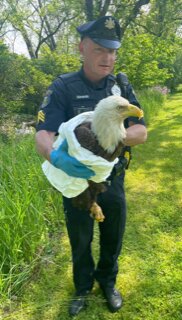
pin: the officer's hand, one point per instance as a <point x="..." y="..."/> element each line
<point x="70" y="165"/>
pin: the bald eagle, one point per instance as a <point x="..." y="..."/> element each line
<point x="104" y="137"/>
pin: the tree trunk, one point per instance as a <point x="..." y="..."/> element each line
<point x="89" y="10"/>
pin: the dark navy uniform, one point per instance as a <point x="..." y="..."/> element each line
<point x="69" y="95"/>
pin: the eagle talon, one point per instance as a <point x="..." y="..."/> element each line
<point x="96" y="212"/>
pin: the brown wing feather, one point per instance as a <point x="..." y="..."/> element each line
<point x="85" y="136"/>
<point x="88" y="140"/>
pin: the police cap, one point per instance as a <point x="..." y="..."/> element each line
<point x="105" y="31"/>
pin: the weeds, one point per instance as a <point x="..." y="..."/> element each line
<point x="24" y="222"/>
<point x="152" y="102"/>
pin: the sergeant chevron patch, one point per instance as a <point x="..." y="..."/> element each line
<point x="41" y="116"/>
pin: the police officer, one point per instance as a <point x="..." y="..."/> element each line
<point x="69" y="95"/>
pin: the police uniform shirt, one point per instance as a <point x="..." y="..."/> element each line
<point x="72" y="93"/>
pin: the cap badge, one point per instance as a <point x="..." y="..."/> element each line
<point x="110" y="24"/>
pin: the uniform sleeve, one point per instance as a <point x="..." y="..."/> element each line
<point x="133" y="100"/>
<point x="52" y="112"/>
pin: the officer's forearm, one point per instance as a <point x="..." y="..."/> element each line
<point x="136" y="134"/>
<point x="44" y="143"/>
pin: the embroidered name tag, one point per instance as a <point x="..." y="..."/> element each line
<point x="82" y="97"/>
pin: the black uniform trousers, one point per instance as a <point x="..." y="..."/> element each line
<point x="80" y="230"/>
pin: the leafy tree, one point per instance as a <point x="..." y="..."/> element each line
<point x="10" y="73"/>
<point x="125" y="11"/>
<point x="176" y="79"/>
<point x="3" y="18"/>
<point x="35" y="84"/>
<point x="146" y="61"/>
<point x="56" y="63"/>
<point x="150" y="52"/>
<point x="161" y="22"/>
<point x="22" y="85"/>
<point x="163" y="18"/>
<point x="39" y="21"/>
<point x="42" y="23"/>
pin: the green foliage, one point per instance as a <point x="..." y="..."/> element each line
<point x="40" y="23"/>
<point x="174" y="82"/>
<point x="21" y="84"/>
<point x="163" y="19"/>
<point x="25" y="203"/>
<point x="146" y="61"/>
<point x="150" y="52"/>
<point x="151" y="101"/>
<point x="10" y="86"/>
<point x="35" y="84"/>
<point x="56" y="63"/>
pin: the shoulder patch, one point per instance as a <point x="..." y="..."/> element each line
<point x="47" y="98"/>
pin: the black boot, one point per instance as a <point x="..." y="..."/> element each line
<point x="77" y="304"/>
<point x="114" y="299"/>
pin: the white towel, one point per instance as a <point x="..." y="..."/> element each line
<point x="71" y="186"/>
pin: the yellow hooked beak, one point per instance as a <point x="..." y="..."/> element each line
<point x="134" y="111"/>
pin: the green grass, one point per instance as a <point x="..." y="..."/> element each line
<point x="150" y="265"/>
<point x="152" y="101"/>
<point x="26" y="201"/>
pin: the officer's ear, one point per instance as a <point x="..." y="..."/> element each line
<point x="81" y="45"/>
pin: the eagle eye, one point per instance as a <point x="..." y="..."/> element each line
<point x="120" y="107"/>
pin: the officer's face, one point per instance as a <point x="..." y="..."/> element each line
<point x="98" y="61"/>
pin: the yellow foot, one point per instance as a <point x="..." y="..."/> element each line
<point x="96" y="212"/>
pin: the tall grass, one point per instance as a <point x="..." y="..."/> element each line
<point x="30" y="209"/>
<point x="25" y="202"/>
<point x="152" y="101"/>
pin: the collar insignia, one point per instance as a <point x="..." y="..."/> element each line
<point x="110" y="24"/>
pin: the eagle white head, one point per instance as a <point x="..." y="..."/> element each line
<point x="108" y="120"/>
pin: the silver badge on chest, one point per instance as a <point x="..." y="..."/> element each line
<point x="116" y="91"/>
